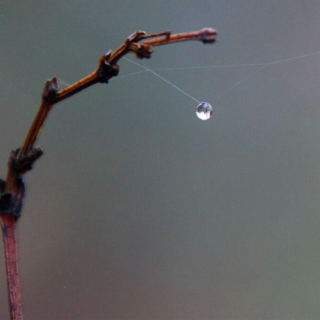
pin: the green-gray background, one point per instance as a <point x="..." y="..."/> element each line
<point x="138" y="210"/>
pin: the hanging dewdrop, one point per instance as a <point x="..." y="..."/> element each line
<point x="204" y="111"/>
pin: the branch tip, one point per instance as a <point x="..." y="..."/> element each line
<point x="208" y="35"/>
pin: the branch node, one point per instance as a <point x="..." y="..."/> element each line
<point x="107" y="71"/>
<point x="22" y="164"/>
<point x="11" y="204"/>
<point x="135" y="37"/>
<point x="50" y="90"/>
<point x="142" y="50"/>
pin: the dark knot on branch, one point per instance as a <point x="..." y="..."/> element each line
<point x="23" y="163"/>
<point x="107" y="71"/>
<point x="11" y="204"/>
<point x="142" y="50"/>
<point x="50" y="90"/>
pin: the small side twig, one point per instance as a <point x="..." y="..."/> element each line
<point x="21" y="160"/>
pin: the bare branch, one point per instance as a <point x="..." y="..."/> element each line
<point x="21" y="161"/>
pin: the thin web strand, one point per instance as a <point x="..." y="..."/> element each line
<point x="240" y="82"/>
<point x="263" y="65"/>
<point x="243" y="64"/>
<point x="62" y="83"/>
<point x="165" y="80"/>
<point x="131" y="74"/>
<point x="226" y="65"/>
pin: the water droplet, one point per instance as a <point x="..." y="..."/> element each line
<point x="204" y="111"/>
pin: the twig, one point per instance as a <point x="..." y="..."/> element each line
<point x="21" y="160"/>
<point x="8" y="225"/>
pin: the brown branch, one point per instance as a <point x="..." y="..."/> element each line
<point x="8" y="226"/>
<point x="142" y="50"/>
<point x="10" y="210"/>
<point x="21" y="161"/>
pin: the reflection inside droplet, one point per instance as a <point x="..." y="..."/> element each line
<point x="204" y="111"/>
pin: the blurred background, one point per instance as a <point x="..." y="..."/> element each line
<point x="138" y="209"/>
